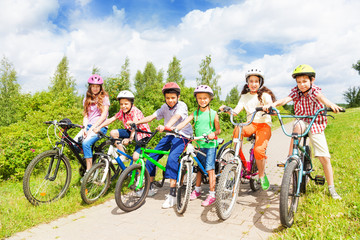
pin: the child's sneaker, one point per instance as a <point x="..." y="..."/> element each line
<point x="194" y="195"/>
<point x="152" y="192"/>
<point x="209" y="200"/>
<point x="333" y="193"/>
<point x="170" y="201"/>
<point x="265" y="183"/>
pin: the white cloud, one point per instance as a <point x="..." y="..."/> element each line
<point x="324" y="34"/>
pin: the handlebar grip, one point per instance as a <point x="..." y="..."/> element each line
<point x="167" y="129"/>
<point x="48" y="122"/>
<point x="341" y="110"/>
<point x="226" y="109"/>
<point x="78" y="126"/>
<point x="258" y="109"/>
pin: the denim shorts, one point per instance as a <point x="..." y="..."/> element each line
<point x="208" y="162"/>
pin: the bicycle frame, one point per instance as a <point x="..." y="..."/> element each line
<point x="296" y="155"/>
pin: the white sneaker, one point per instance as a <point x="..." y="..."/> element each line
<point x="170" y="201"/>
<point x="151" y="192"/>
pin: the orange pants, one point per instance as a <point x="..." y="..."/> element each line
<point x="263" y="134"/>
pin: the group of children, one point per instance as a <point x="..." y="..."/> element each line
<point x="307" y="98"/>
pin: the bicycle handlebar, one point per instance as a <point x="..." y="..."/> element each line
<point x="183" y="135"/>
<point x="64" y="124"/>
<point x="230" y="110"/>
<point x="313" y="117"/>
<point x="137" y="130"/>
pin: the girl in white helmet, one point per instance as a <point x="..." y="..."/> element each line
<point x="128" y="112"/>
<point x="255" y="94"/>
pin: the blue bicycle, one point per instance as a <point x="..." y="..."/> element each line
<point x="298" y="168"/>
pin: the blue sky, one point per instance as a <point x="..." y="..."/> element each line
<point x="275" y="35"/>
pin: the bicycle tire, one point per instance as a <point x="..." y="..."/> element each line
<point x="226" y="156"/>
<point x="95" y="183"/>
<point x="184" y="190"/>
<point x="227" y="191"/>
<point x="126" y="196"/>
<point x="115" y="169"/>
<point x="288" y="199"/>
<point x="255" y="180"/>
<point x="37" y="186"/>
<point x="307" y="167"/>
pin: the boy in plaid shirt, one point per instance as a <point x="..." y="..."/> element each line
<point x="307" y="98"/>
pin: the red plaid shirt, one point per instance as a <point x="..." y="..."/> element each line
<point x="308" y="105"/>
<point x="134" y="115"/>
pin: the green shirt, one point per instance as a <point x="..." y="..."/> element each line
<point x="205" y="124"/>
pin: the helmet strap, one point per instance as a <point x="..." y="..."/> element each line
<point x="170" y="108"/>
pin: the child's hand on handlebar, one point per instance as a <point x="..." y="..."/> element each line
<point x="335" y="108"/>
<point x="211" y="136"/>
<point x="160" y="128"/>
<point x="126" y="141"/>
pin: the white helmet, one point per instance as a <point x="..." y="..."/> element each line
<point x="125" y="94"/>
<point x="257" y="72"/>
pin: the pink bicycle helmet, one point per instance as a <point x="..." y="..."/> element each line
<point x="203" y="89"/>
<point x="95" y="79"/>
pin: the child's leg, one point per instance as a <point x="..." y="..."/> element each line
<point x="212" y="180"/>
<point x="325" y="161"/>
<point x="298" y="127"/>
<point x="87" y="146"/>
<point x="119" y="133"/>
<point x="263" y="134"/>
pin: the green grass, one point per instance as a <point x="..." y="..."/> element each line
<point x="319" y="216"/>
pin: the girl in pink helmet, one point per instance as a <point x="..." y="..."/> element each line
<point x="206" y="121"/>
<point x="96" y="109"/>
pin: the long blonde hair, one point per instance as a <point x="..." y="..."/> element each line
<point x="97" y="99"/>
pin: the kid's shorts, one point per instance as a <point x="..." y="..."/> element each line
<point x="208" y="162"/>
<point x="318" y="141"/>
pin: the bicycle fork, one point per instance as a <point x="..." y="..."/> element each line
<point x="47" y="176"/>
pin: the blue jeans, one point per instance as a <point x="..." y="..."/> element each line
<point x="176" y="147"/>
<point x="208" y="162"/>
<point x="124" y="133"/>
<point x="90" y="140"/>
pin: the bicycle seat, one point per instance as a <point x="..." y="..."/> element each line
<point x="252" y="137"/>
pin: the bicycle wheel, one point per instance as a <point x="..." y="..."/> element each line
<point x="225" y="157"/>
<point x="184" y="190"/>
<point x="126" y="196"/>
<point x="226" y="191"/>
<point x="47" y="177"/>
<point x="288" y="199"/>
<point x="255" y="180"/>
<point x="115" y="169"/>
<point x="307" y="167"/>
<point x="95" y="183"/>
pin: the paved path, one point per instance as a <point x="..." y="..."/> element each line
<point x="255" y="216"/>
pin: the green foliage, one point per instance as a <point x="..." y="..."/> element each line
<point x="174" y="73"/>
<point x="113" y="85"/>
<point x="62" y="80"/>
<point x="357" y="66"/>
<point x="10" y="97"/>
<point x="233" y="96"/>
<point x="148" y="87"/>
<point x="352" y="96"/>
<point x="208" y="76"/>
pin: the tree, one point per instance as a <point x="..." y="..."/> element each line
<point x="148" y="87"/>
<point x="352" y="96"/>
<point x="10" y="97"/>
<point x="208" y="76"/>
<point x="174" y="72"/>
<point x="113" y="85"/>
<point x="357" y="66"/>
<point x="62" y="82"/>
<point x="233" y="96"/>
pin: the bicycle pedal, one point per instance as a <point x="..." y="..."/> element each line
<point x="319" y="180"/>
<point x="280" y="165"/>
